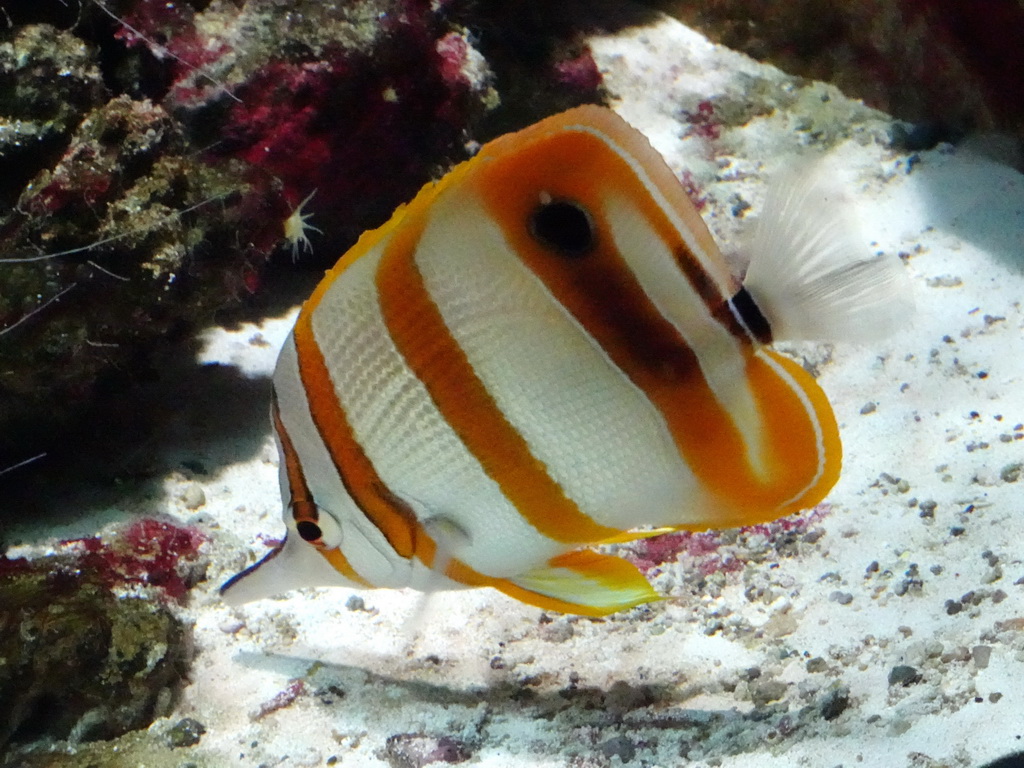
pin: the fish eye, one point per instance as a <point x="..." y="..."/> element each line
<point x="563" y="226"/>
<point x="324" y="531"/>
<point x="309" y="530"/>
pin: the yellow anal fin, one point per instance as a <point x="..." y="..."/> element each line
<point x="581" y="582"/>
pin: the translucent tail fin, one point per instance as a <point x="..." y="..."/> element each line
<point x="811" y="272"/>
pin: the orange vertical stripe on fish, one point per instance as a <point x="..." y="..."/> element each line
<point x="420" y="334"/>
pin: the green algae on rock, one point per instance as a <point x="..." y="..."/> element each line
<point x="91" y="645"/>
<point x="147" y="748"/>
<point x="91" y="251"/>
<point x="48" y="79"/>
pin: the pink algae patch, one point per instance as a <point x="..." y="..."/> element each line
<point x="704" y="123"/>
<point x="693" y="190"/>
<point x="280" y="700"/>
<point x="579" y="72"/>
<point x="453" y="53"/>
<point x="725" y="551"/>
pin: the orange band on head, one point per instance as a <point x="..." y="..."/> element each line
<point x="302" y="504"/>
<point x="392" y="516"/>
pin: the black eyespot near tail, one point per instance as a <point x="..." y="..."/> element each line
<point x="749" y="315"/>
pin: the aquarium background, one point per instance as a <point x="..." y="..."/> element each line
<point x="153" y="157"/>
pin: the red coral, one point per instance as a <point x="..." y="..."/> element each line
<point x="252" y="280"/>
<point x="365" y="125"/>
<point x="76" y="180"/>
<point x="702" y="547"/>
<point x="109" y="147"/>
<point x="150" y="23"/>
<point x="168" y="32"/>
<point x="280" y="124"/>
<point x="13" y="566"/>
<point x="363" y="129"/>
<point x="148" y="552"/>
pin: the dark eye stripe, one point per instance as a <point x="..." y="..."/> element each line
<point x="564" y="227"/>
